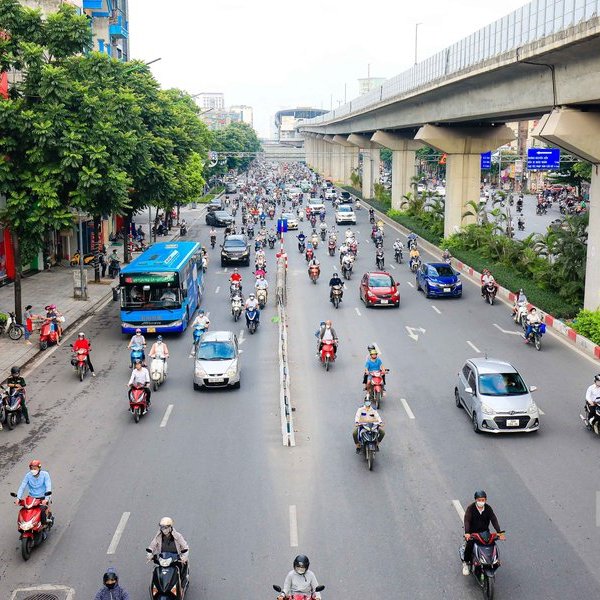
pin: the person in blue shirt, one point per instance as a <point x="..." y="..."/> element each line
<point x="373" y="363"/>
<point x="38" y="484"/>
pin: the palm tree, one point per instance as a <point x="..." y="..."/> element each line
<point x="478" y="210"/>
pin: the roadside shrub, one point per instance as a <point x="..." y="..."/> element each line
<point x="587" y="323"/>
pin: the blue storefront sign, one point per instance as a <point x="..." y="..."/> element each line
<point x="486" y="161"/>
<point x="543" y="159"/>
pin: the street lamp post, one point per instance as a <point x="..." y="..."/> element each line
<point x="83" y="287"/>
<point x="417" y="40"/>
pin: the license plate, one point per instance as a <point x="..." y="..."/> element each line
<point x="512" y="422"/>
<point x="151" y="329"/>
<point x="215" y="380"/>
<point x="446" y="290"/>
<point x="384" y="301"/>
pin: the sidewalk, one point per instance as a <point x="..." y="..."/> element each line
<point x="56" y="287"/>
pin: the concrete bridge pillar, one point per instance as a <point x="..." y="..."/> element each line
<point x="403" y="149"/>
<point x="578" y="132"/>
<point x="320" y="155"/>
<point x="371" y="162"/>
<point x="464" y="146"/>
<point x="308" y="149"/>
<point x="334" y="158"/>
<point x="348" y="155"/>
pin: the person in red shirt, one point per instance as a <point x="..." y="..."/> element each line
<point x="84" y="344"/>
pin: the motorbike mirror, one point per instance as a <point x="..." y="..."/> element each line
<point x="48" y="494"/>
<point x="469" y="390"/>
<point x="184" y="551"/>
<point x="149" y="550"/>
<point x="319" y="588"/>
<point x="13" y="494"/>
<point x="277" y="588"/>
<point x="532" y="388"/>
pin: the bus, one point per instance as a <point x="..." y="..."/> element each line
<point x="162" y="288"/>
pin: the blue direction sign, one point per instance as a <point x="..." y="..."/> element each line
<point x="543" y="159"/>
<point x="486" y="161"/>
<point x="282" y="226"/>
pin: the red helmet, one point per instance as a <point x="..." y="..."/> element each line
<point x="35" y="464"/>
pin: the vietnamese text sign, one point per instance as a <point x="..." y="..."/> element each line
<point x="543" y="159"/>
<point x="486" y="161"/>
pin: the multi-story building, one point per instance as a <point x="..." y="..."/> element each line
<point x="110" y="26"/>
<point x="210" y="100"/>
<point x="287" y="121"/>
<point x="243" y="113"/>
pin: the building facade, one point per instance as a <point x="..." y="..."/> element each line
<point x="210" y="100"/>
<point x="242" y="113"/>
<point x="287" y="121"/>
<point x="110" y="26"/>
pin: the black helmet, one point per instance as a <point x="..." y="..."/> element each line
<point x="596" y="377"/>
<point x="15" y="371"/>
<point x="371" y="347"/>
<point x="480" y="494"/>
<point x="110" y="574"/>
<point x="301" y="562"/>
<point x="335" y="274"/>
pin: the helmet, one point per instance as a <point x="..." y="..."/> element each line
<point x="301" y="564"/>
<point x="159" y="338"/>
<point x="200" y="312"/>
<point x="81" y="334"/>
<point x="166" y="522"/>
<point x="15" y="370"/>
<point x="110" y="574"/>
<point x="251" y="296"/>
<point x="138" y="330"/>
<point x="138" y="361"/>
<point x="335" y="274"/>
<point x="35" y="464"/>
<point x="371" y="347"/>
<point x="480" y="494"/>
<point x="597" y="377"/>
<point x="235" y="270"/>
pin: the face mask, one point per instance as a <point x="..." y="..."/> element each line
<point x="368" y="404"/>
<point x="34" y="472"/>
<point x="300" y="570"/>
<point x="480" y="504"/>
<point x="166" y="530"/>
<point x="110" y="586"/>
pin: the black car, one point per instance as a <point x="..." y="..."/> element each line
<point x="219" y="218"/>
<point x="345" y="198"/>
<point x="236" y="250"/>
<point x="215" y="204"/>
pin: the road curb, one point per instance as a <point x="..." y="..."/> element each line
<point x="559" y="327"/>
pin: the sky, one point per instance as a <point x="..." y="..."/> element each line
<point x="279" y="54"/>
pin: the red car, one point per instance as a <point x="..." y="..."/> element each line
<point x="378" y="288"/>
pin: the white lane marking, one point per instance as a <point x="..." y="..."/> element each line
<point x="293" y="526"/>
<point x="474" y="347"/>
<point x="241" y="339"/>
<point x="411" y="284"/>
<point x="437" y="310"/>
<point x="506" y="330"/>
<point x="459" y="509"/>
<point x="357" y="311"/>
<point x="392" y="266"/>
<point x="407" y="408"/>
<point x="225" y="270"/>
<point x="118" y="533"/>
<point x="217" y="289"/>
<point x="165" y="419"/>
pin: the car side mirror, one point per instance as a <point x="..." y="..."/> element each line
<point x="469" y="390"/>
<point x="277" y="588"/>
<point x="532" y="388"/>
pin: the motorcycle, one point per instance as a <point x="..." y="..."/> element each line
<point x="353" y="248"/>
<point x="29" y="523"/>
<point x="271" y="213"/>
<point x="368" y="436"/>
<point x="114" y="267"/>
<point x="301" y="246"/>
<point x="15" y="330"/>
<point x="250" y="232"/>
<point x="331" y="247"/>
<point x="314" y="240"/>
<point x="377" y="387"/>
<point x="251" y="320"/>
<point x="183" y="230"/>
<point x="398" y="255"/>
<point x="313" y="273"/>
<point x="296" y="596"/>
<point x="485" y="561"/>
<point x="272" y="241"/>
<point x="489" y="293"/>
<point x="520" y="314"/>
<point x="170" y="578"/>
<point x="535" y="336"/>
<point x="347" y="269"/>
<point x="371" y="217"/>
<point x="327" y="354"/>
<point x="137" y="353"/>
<point x="88" y="259"/>
<point x="261" y="296"/>
<point x="415" y="263"/>
<point x="197" y="334"/>
<point x="594" y="425"/>
<point x="79" y="362"/>
<point x="158" y="371"/>
<point x="236" y="308"/>
<point x="521" y="225"/>
<point x="213" y="241"/>
<point x="11" y="407"/>
<point x="309" y="254"/>
<point x="138" y="401"/>
<point x="379" y="259"/>
<point x="323" y="233"/>
<point x="336" y="295"/>
<point x="235" y="289"/>
<point x="48" y="333"/>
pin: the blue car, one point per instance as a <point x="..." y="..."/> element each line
<point x="438" y="280"/>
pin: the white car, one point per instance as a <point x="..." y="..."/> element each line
<point x="315" y="205"/>
<point x="294" y="193"/>
<point x="217" y="361"/>
<point x="292" y="220"/>
<point x="345" y="214"/>
<point x="330" y="194"/>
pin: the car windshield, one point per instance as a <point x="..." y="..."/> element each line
<point x="345" y="209"/>
<point x="441" y="271"/>
<point x="216" y="351"/>
<point x="501" y="384"/>
<point x="222" y="214"/>
<point x="380" y="281"/>
<point x="288" y="216"/>
<point x="235" y="244"/>
<point x="149" y="297"/>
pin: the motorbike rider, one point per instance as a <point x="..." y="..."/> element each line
<point x="16" y="382"/>
<point x="373" y="363"/>
<point x="300" y="580"/>
<point x="140" y="376"/>
<point x="487" y="279"/>
<point x="326" y="333"/>
<point x="412" y="238"/>
<point x="252" y="304"/>
<point x="366" y="414"/>
<point x="478" y="516"/>
<point x="236" y="278"/>
<point x="82" y="343"/>
<point x="38" y="483"/>
<point x="213" y="235"/>
<point x="111" y="590"/>
<point x="314" y="262"/>
<point x="398" y="246"/>
<point x="521" y="300"/>
<point x="201" y="320"/>
<point x="446" y="256"/>
<point x="533" y="318"/>
<point x="160" y="350"/>
<point x="414" y="255"/>
<point x="53" y="314"/>
<point x="592" y="398"/>
<point x="171" y="541"/>
<point x="335" y="280"/>
<point x="138" y="340"/>
<point x="261" y="283"/>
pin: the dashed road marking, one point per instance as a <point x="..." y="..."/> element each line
<point x="357" y="311"/>
<point x="474" y="347"/>
<point x="437" y="310"/>
<point x="459" y="509"/>
<point x="507" y="331"/>
<point x="218" y="288"/>
<point x="118" y="533"/>
<point x="409" y="412"/>
<point x="165" y="419"/>
<point x="293" y="526"/>
<point x="411" y="284"/>
<point x="392" y="266"/>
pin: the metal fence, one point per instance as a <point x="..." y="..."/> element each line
<point x="530" y="23"/>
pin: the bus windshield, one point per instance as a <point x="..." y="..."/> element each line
<point x="149" y="297"/>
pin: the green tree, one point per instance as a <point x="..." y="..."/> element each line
<point x="236" y="139"/>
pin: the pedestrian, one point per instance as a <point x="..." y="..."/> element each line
<point x="132" y="227"/>
<point x="103" y="262"/>
<point x="28" y="317"/>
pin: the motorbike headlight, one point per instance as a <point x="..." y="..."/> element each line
<point x="532" y="408"/>
<point x="487" y="410"/>
<point x="27" y="525"/>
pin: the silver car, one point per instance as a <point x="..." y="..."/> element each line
<point x="496" y="397"/>
<point x="217" y="361"/>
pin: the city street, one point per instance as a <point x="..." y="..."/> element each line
<point x="247" y="505"/>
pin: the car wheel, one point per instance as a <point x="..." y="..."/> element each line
<point x="236" y="386"/>
<point x="475" y="423"/>
<point x="457" y="398"/>
<point x="418" y="284"/>
<point x="427" y="292"/>
<point x="196" y="387"/>
<point x="460" y="295"/>
<point x="222" y="263"/>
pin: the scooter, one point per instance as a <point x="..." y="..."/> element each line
<point x="158" y="371"/>
<point x="114" y="268"/>
<point x="535" y="336"/>
<point x="415" y="263"/>
<point x="11" y="407"/>
<point x="252" y="320"/>
<point x="368" y="436"/>
<point x="88" y="259"/>
<point x="79" y="362"/>
<point x="314" y="240"/>
<point x="29" y="523"/>
<point x="309" y="254"/>
<point x="137" y="353"/>
<point x="347" y="269"/>
<point x="591" y="417"/>
<point x="377" y="388"/>
<point x="261" y="296"/>
<point x="138" y="402"/>
<point x="485" y="561"/>
<point x="313" y="273"/>
<point x="336" y="295"/>
<point x="379" y="259"/>
<point x="236" y="308"/>
<point x="331" y="247"/>
<point x="183" y="230"/>
<point x="295" y="596"/>
<point x="48" y="334"/>
<point x="301" y="246"/>
<point x="15" y="330"/>
<point x="197" y="333"/>
<point x="398" y="255"/>
<point x="213" y="241"/>
<point x="170" y="578"/>
<point x="489" y="293"/>
<point x="271" y="241"/>
<point x="327" y="354"/>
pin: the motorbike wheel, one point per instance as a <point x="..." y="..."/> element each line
<point x="43" y="345"/>
<point x="136" y="415"/>
<point x="236" y="316"/>
<point x="538" y="342"/>
<point x="377" y="397"/>
<point x="81" y="372"/>
<point x="488" y="587"/>
<point x="11" y="421"/>
<point x="336" y="302"/>
<point x="155" y="386"/>
<point x="15" y="332"/>
<point x="490" y="299"/>
<point x="314" y="280"/>
<point x="26" y="547"/>
<point x="369" y="456"/>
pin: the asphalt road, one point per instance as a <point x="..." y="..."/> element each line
<point x="242" y="500"/>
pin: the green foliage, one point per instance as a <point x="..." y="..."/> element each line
<point x="236" y="137"/>
<point x="212" y="194"/>
<point x="385" y="155"/>
<point x="587" y="323"/>
<point x="382" y="194"/>
<point x="355" y="179"/>
<point x="573" y="174"/>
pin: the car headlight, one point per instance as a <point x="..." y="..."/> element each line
<point x="200" y="372"/>
<point x="487" y="410"/>
<point x="232" y="372"/>
<point x="532" y="409"/>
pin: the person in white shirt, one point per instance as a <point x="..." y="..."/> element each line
<point x="201" y="320"/>
<point x="592" y="398"/>
<point x="533" y="318"/>
<point x="301" y="580"/>
<point x="366" y="414"/>
<point x="159" y="350"/>
<point x="140" y="376"/>
<point x="261" y="283"/>
<point x="252" y="304"/>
